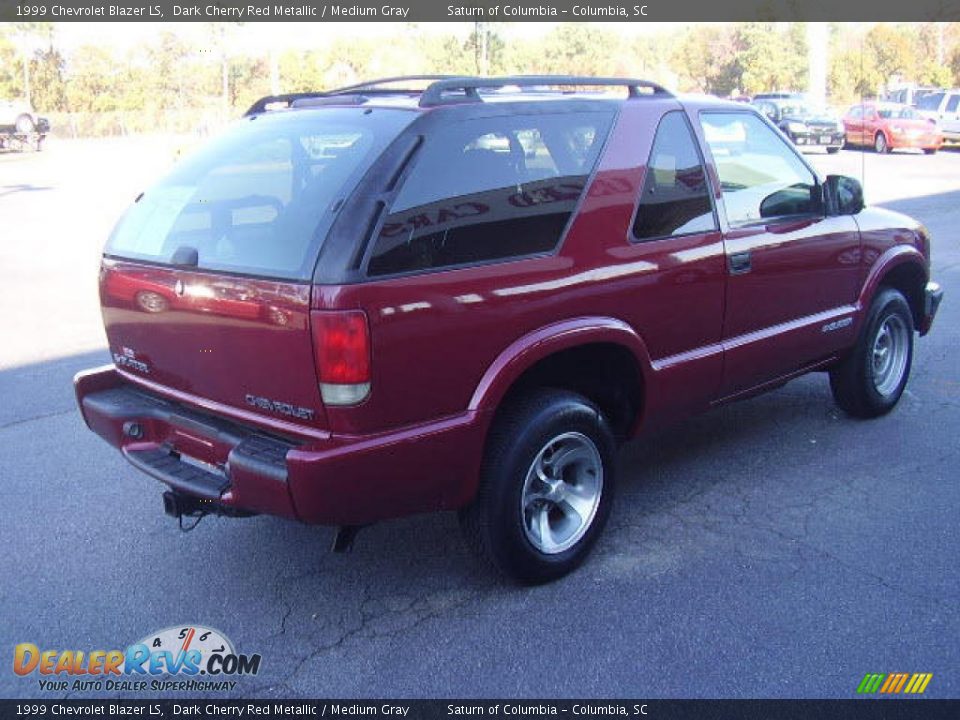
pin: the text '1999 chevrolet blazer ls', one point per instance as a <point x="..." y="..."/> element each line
<point x="377" y="301"/>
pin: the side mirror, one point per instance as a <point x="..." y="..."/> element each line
<point x="842" y="195"/>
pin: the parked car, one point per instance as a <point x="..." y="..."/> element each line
<point x="890" y="126"/>
<point x="487" y="288"/>
<point x="909" y="94"/>
<point x="804" y="124"/>
<point x="781" y="95"/>
<point x="943" y="107"/>
<point x="18" y="116"/>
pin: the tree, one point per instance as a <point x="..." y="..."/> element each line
<point x="49" y="89"/>
<point x="771" y="57"/>
<point x="705" y="58"/>
<point x="892" y="52"/>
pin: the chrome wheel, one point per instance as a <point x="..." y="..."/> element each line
<point x="888" y="358"/>
<point x="880" y="144"/>
<point x="561" y="492"/>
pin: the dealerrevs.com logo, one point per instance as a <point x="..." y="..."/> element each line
<point x="894" y="683"/>
<point x="180" y="658"/>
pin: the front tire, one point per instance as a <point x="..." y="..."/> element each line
<point x="870" y="381"/>
<point x="930" y="151"/>
<point x="833" y="150"/>
<point x="546" y="487"/>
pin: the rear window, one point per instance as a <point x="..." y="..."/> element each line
<point x="490" y="189"/>
<point x="258" y="199"/>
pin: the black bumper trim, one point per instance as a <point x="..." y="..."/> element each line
<point x="932" y="297"/>
<point x="251" y="450"/>
<point x="165" y="465"/>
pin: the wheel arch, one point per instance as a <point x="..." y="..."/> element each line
<point x="903" y="268"/>
<point x="559" y="355"/>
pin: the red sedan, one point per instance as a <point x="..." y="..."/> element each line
<point x="889" y="126"/>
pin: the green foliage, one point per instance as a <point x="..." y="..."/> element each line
<point x="770" y="57"/>
<point x="169" y="82"/>
<point x="49" y="90"/>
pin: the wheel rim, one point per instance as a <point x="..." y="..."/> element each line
<point x="881" y="143"/>
<point x="888" y="359"/>
<point x="561" y="493"/>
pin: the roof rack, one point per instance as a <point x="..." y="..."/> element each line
<point x="454" y="89"/>
<point x="375" y="84"/>
<point x="372" y="87"/>
<point x="287" y="99"/>
<point x="436" y="93"/>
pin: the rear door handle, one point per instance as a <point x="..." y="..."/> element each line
<point x="739" y="263"/>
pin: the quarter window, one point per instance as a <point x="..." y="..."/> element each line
<point x="489" y="189"/>
<point x="952" y="103"/>
<point x="675" y="199"/>
<point x="760" y="176"/>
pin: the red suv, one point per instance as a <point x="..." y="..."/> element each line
<point x="378" y="301"/>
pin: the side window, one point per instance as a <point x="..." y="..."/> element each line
<point x="760" y="176"/>
<point x="952" y="103"/>
<point x="930" y="102"/>
<point x="489" y="189"/>
<point x="856" y="112"/>
<point x="675" y="199"/>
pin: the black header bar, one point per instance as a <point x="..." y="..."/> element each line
<point x="476" y="10"/>
<point x="854" y="709"/>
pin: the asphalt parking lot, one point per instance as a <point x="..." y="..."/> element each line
<point x="772" y="548"/>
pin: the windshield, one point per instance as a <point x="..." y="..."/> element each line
<point x="259" y="199"/>
<point x="897" y="113"/>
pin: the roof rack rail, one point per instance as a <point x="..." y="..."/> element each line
<point x="436" y="92"/>
<point x="288" y="99"/>
<point x="368" y="88"/>
<point x="440" y="86"/>
<point x="375" y="84"/>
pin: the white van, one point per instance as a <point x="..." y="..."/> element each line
<point x="943" y="107"/>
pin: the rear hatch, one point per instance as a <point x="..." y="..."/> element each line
<point x="206" y="280"/>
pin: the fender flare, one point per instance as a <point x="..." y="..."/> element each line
<point x="529" y="349"/>
<point x="892" y="258"/>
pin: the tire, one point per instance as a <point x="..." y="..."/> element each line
<point x="870" y="380"/>
<point x="880" y="144"/>
<point x="25" y="125"/>
<point x="563" y="438"/>
<point x="930" y="151"/>
<point x="833" y="150"/>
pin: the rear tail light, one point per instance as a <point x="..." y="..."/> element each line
<point x="341" y="343"/>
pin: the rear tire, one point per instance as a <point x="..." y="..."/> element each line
<point x="25" y="125"/>
<point x="930" y="151"/>
<point x="546" y="487"/>
<point x="833" y="150"/>
<point x="869" y="382"/>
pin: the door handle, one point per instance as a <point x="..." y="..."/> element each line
<point x="739" y="263"/>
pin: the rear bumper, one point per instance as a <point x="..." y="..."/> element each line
<point x="933" y="295"/>
<point x="338" y="481"/>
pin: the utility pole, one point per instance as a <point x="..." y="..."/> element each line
<point x="274" y="71"/>
<point x="482" y="59"/>
<point x="817" y="48"/>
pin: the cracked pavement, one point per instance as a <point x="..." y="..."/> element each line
<point x="771" y="548"/>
